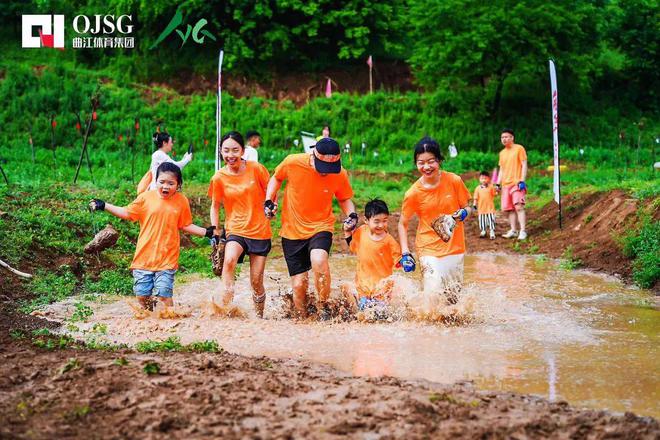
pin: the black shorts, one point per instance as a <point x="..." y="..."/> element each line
<point x="251" y="246"/>
<point x="297" y="252"/>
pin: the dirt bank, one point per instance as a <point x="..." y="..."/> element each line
<point x="592" y="224"/>
<point x="229" y="396"/>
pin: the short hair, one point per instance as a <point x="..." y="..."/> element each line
<point x="160" y="138"/>
<point x="251" y="133"/>
<point x="169" y="167"/>
<point x="507" y="130"/>
<point x="235" y="136"/>
<point x="375" y="207"/>
<point x="428" y="145"/>
<point x="484" y="173"/>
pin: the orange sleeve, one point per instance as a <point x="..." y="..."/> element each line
<point x="462" y="193"/>
<point x="345" y="191"/>
<point x="136" y="208"/>
<point x="476" y="195"/>
<point x="185" y="218"/>
<point x="216" y="190"/>
<point x="355" y="241"/>
<point x="263" y="177"/>
<point x="396" y="250"/>
<point x="522" y="154"/>
<point x="409" y="206"/>
<point x="282" y="169"/>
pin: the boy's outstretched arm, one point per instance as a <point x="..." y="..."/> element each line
<point x="199" y="231"/>
<point x="117" y="211"/>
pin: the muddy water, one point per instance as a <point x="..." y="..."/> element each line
<point x="573" y="336"/>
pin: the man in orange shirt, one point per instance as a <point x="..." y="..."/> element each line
<point x="314" y="179"/>
<point x="511" y="178"/>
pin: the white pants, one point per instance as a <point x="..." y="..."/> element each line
<point x="442" y="274"/>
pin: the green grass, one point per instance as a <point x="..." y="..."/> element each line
<point x="643" y="246"/>
<point x="173" y="343"/>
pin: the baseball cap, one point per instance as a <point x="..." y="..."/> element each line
<point x="327" y="156"/>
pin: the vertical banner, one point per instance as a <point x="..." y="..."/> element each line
<point x="555" y="136"/>
<point x="218" y="115"/>
<point x="370" y="63"/>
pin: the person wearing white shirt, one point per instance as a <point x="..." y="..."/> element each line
<point x="253" y="141"/>
<point x="164" y="143"/>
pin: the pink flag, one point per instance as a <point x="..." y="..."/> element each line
<point x="328" y="89"/>
<point x="370" y="62"/>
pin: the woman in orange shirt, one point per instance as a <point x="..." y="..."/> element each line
<point x="162" y="212"/>
<point x="434" y="194"/>
<point x="240" y="186"/>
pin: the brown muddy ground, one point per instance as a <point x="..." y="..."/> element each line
<point x="229" y="396"/>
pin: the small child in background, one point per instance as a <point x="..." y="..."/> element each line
<point x="162" y="212"/>
<point x="378" y="253"/>
<point x="484" y="202"/>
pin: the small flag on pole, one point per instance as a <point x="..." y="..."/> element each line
<point x="370" y="61"/>
<point x="328" y="89"/>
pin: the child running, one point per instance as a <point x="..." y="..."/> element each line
<point x="484" y="202"/>
<point x="378" y="253"/>
<point x="161" y="213"/>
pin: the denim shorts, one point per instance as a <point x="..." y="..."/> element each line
<point x="146" y="282"/>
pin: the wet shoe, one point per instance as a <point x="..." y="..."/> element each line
<point x="492" y="235"/>
<point x="510" y="234"/>
<point x="522" y="235"/>
<point x="483" y="234"/>
<point x="325" y="314"/>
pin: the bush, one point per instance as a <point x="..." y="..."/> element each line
<point x="644" y="247"/>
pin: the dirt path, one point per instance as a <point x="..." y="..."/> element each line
<point x="229" y="396"/>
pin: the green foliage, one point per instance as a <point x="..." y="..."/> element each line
<point x="151" y="368"/>
<point x="117" y="282"/>
<point x="173" y="343"/>
<point x="81" y="313"/>
<point x="72" y="364"/>
<point x="49" y="287"/>
<point x="644" y="247"/>
<point x="196" y="260"/>
<point x="121" y="361"/>
<point x="568" y="260"/>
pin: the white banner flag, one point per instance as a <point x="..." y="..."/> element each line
<point x="555" y="129"/>
<point x="218" y="115"/>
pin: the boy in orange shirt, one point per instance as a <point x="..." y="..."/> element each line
<point x="377" y="252"/>
<point x="161" y="213"/>
<point x="484" y="202"/>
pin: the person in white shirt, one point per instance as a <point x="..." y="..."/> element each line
<point x="253" y="141"/>
<point x="164" y="143"/>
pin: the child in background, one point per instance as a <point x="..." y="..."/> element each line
<point x="484" y="202"/>
<point x="161" y="213"/>
<point x="378" y="253"/>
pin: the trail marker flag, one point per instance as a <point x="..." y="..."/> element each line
<point x="555" y="136"/>
<point x="370" y="63"/>
<point x="328" y="89"/>
<point x="218" y="115"/>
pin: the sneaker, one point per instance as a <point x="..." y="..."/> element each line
<point x="510" y="234"/>
<point x="492" y="235"/>
<point x="325" y="314"/>
<point x="522" y="235"/>
<point x="483" y="234"/>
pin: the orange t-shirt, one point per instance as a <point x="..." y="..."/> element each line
<point x="484" y="198"/>
<point x="307" y="206"/>
<point x="243" y="198"/>
<point x="376" y="259"/>
<point x="160" y="220"/>
<point x="429" y="204"/>
<point x="511" y="160"/>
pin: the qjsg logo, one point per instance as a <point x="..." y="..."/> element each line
<point x="103" y="24"/>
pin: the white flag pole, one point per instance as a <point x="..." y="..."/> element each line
<point x="218" y="115"/>
<point x="555" y="137"/>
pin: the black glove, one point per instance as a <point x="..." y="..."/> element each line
<point x="269" y="208"/>
<point x="209" y="232"/>
<point x="97" y="205"/>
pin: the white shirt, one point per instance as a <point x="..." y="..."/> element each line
<point x="251" y="154"/>
<point x="160" y="157"/>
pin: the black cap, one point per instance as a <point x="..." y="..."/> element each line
<point x="327" y="156"/>
<point x="251" y="133"/>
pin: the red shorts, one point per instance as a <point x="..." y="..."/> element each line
<point x="511" y="196"/>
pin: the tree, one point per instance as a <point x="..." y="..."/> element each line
<point x="468" y="43"/>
